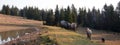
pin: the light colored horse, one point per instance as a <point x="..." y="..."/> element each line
<point x="89" y="33"/>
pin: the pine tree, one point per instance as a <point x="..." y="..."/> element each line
<point x="5" y="9"/>
<point x="82" y="15"/>
<point x="109" y="14"/>
<point x="50" y="17"/>
<point x="68" y="16"/>
<point x="14" y="11"/>
<point x="73" y="13"/>
<point x="62" y="14"/>
<point x="57" y="15"/>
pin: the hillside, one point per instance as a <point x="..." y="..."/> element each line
<point x="67" y="37"/>
<point x="8" y="22"/>
<point x="56" y="34"/>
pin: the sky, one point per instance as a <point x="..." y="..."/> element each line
<point x="51" y="4"/>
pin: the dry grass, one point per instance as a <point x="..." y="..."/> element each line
<point x="6" y="19"/>
<point x="9" y="28"/>
<point x="66" y="37"/>
<point x="8" y="23"/>
<point x="112" y="38"/>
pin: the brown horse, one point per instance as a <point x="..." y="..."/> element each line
<point x="73" y="26"/>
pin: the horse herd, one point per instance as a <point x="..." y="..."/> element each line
<point x="68" y="25"/>
<point x="73" y="27"/>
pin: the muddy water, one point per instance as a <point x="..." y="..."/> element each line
<point x="11" y="35"/>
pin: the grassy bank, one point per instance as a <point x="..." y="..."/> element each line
<point x="66" y="37"/>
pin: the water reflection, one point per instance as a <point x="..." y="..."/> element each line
<point x="11" y="35"/>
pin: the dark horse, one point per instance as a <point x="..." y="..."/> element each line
<point x="68" y="25"/>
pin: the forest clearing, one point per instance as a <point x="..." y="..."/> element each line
<point x="63" y="22"/>
<point x="60" y="35"/>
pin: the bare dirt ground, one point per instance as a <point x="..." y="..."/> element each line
<point x="8" y="23"/>
<point x="111" y="38"/>
<point x="9" y="28"/>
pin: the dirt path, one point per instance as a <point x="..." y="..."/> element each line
<point x="112" y="38"/>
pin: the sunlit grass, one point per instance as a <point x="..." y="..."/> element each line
<point x="67" y="37"/>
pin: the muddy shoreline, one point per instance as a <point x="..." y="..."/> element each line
<point x="24" y="38"/>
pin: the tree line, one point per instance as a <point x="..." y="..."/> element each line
<point x="108" y="18"/>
